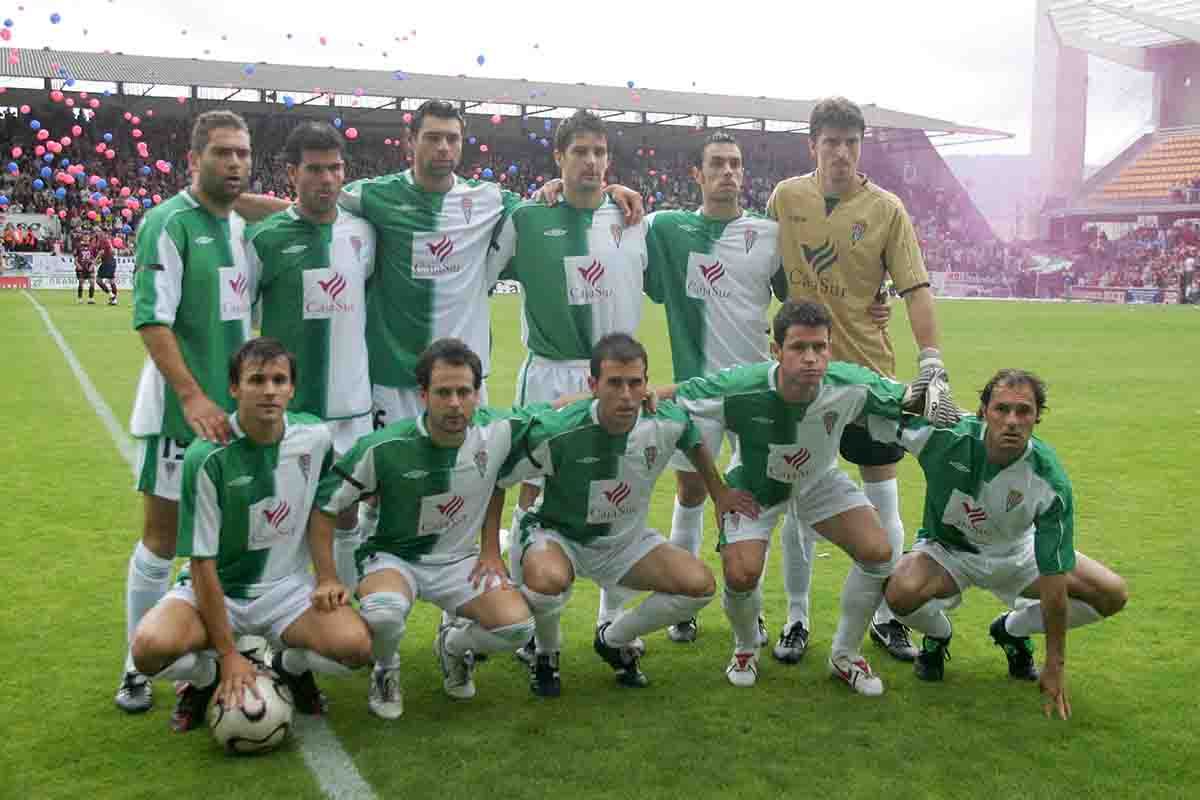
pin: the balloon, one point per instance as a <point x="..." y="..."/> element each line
<point x="146" y="203"/>
<point x="127" y="116"/>
<point x="55" y="18"/>
<point x="142" y="192"/>
<point x="34" y="124"/>
<point x="487" y="172"/>
<point x="49" y="212"/>
<point x="546" y="124"/>
<point x="181" y="99"/>
<point x="144" y="171"/>
<point x="157" y="199"/>
<point x="163" y="166"/>
<point x="407" y="118"/>
<point x="125" y="191"/>
<point x="150" y="112"/>
<point x="658" y="195"/>
<point x="110" y="154"/>
<point x="337" y="122"/>
<point x="16" y="152"/>
<point x="101" y="183"/>
<point x="24" y="109"/>
<point x="387" y="141"/>
<point x="497" y="119"/>
<point x="479" y="60"/>
<point x="66" y="141"/>
<point x="544" y="142"/>
<point x="512" y="169"/>
<point x="136" y="133"/>
<point x="56" y="96"/>
<point x="100" y="148"/>
<point x="54" y="147"/>
<point x="470" y="140"/>
<point x="135" y="120"/>
<point x="76" y="130"/>
<point x="126" y="213"/>
<point x="323" y="41"/>
<point x="108" y="137"/>
<point x="94" y="103"/>
<point x="629" y="84"/>
<point x="652" y="152"/>
<point x="248" y="69"/>
<point x="398" y="75"/>
<point x="39" y="184"/>
<point x="13" y="168"/>
<point x="94" y="197"/>
<point x="60" y="193"/>
<point x="358" y="92"/>
<point x="8" y="23"/>
<point x="39" y="151"/>
<point x="117" y="242"/>
<point x="483" y="148"/>
<point x="13" y="58"/>
<point x="93" y="216"/>
<point x="62" y="214"/>
<point x="288" y="101"/>
<point x="351" y="133"/>
<point x="125" y="229"/>
<point x="3" y="199"/>
<point x="43" y="134"/>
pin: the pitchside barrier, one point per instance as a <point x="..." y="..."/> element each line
<point x="51" y="271"/>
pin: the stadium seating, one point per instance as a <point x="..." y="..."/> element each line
<point x="1170" y="161"/>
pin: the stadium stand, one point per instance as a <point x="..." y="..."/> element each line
<point x="1168" y="171"/>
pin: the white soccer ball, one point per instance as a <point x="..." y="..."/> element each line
<point x="259" y="725"/>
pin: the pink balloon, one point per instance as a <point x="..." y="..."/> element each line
<point x="126" y="213"/>
<point x="158" y="199"/>
<point x="163" y="167"/>
<point x="105" y="202"/>
<point x="269" y="194"/>
<point x="483" y="148"/>
<point x="407" y="118"/>
<point x="128" y="116"/>
<point x="141" y="193"/>
<point x="39" y="151"/>
<point x="43" y="135"/>
<point x="94" y="103"/>
<point x="66" y="141"/>
<point x="497" y="119"/>
<point x="110" y="154"/>
<point x="54" y="147"/>
<point x="118" y="242"/>
<point x="136" y="120"/>
<point x="16" y="152"/>
<point x="181" y="99"/>
<point x="150" y="112"/>
<point x="56" y="96"/>
<point x="125" y="192"/>
<point x="387" y="141"/>
<point x="62" y="214"/>
<point x="100" y="148"/>
<point x="352" y="133"/>
<point x="76" y="130"/>
<point x="83" y="95"/>
<point x="24" y="109"/>
<point x="113" y="182"/>
<point x="143" y="149"/>
<point x="49" y="212"/>
<point x="136" y="133"/>
<point x="5" y="34"/>
<point x="131" y="203"/>
<point x="3" y="89"/>
<point x="69" y="102"/>
<point x="92" y="181"/>
<point x="93" y="216"/>
<point x="323" y="41"/>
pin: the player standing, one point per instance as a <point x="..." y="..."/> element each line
<point x="247" y="524"/>
<point x="85" y="267"/>
<point x="842" y="237"/>
<point x="107" y="274"/>
<point x="314" y="260"/>
<point x="999" y="514"/>
<point x="191" y="298"/>
<point x="435" y="477"/>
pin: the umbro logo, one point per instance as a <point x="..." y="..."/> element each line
<point x="296" y="248"/>
<point x="762" y="420"/>
<point x="406" y="207"/>
<point x="688" y="228"/>
<point x="237" y="483"/>
<point x="555" y="232"/>
<point x="415" y="475"/>
<point x="204" y="240"/>
<point x="960" y="466"/>
<point x="588" y="460"/>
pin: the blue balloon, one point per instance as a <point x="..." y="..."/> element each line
<point x="658" y="195"/>
<point x="480" y="59"/>
<point x="48" y="158"/>
<point x="288" y="101"/>
<point x="102" y="184"/>
<point x="532" y="136"/>
<point x="39" y="184"/>
<point x="471" y="140"/>
<point x="70" y="81"/>
<point x="62" y="71"/>
<point x="66" y="162"/>
<point x="60" y="193"/>
<point x="107" y="92"/>
<point x="105" y="211"/>
<point x="546" y="125"/>
<point x="544" y="142"/>
<point x="95" y="197"/>
<point x="108" y="137"/>
<point x="398" y="75"/>
<point x="629" y="84"/>
<point x="146" y="202"/>
<point x="126" y="229"/>
<point x="33" y="123"/>
<point x="13" y="168"/>
<point x="512" y="169"/>
<point x="145" y="171"/>
<point x="487" y="172"/>
<point x="55" y="18"/>
<point x="3" y="199"/>
<point x="248" y="69"/>
<point x="8" y="23"/>
<point x="47" y="172"/>
<point x="337" y="122"/>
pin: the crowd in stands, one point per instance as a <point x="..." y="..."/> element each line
<point x="1187" y="191"/>
<point x="1161" y="258"/>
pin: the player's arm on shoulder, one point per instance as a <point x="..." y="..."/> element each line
<point x="500" y="263"/>
<point x="350" y="479"/>
<point x="206" y="419"/>
<point x="257" y="207"/>
<point x="530" y="456"/>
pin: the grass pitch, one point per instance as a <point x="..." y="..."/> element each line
<point x="1123" y="417"/>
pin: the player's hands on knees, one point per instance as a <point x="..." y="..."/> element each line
<point x="329" y="595"/>
<point x="489" y="568"/>
<point x="238" y="674"/>
<point x="1053" y="685"/>
<point x="207" y="419"/>
<point x="736" y="501"/>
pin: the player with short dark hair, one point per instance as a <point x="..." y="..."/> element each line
<point x="106" y="275"/>
<point x="85" y="266"/>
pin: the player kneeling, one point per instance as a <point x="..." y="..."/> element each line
<point x="435" y="479"/>
<point x="998" y="515"/>
<point x="246" y="525"/>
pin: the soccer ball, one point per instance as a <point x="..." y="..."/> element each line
<point x="259" y="725"/>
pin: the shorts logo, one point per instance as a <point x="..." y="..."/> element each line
<point x="651" y="454"/>
<point x="617" y="232"/>
<point x="763" y="420"/>
<point x="442" y="249"/>
<point x="751" y="238"/>
<point x="830" y="419"/>
<point x="1013" y="500"/>
<point x="618" y="493"/>
<point x="452" y="506"/>
<point x="798" y="458"/>
<point x="958" y="465"/>
<point x="334" y="286"/>
<point x="857" y="231"/>
<point x="237" y="483"/>
<point x="467" y="206"/>
<point x="822" y="257"/>
<point x="278" y="514"/>
<point x="305" y="464"/>
<point x="481" y="462"/>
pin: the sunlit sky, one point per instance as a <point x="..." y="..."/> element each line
<point x="970" y="61"/>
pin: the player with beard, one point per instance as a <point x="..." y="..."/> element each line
<point x="191" y="298"/>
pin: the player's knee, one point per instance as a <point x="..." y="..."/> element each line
<point x="904" y="593"/>
<point x="875" y="555"/>
<point x="546" y="576"/>
<point x="386" y="613"/>
<point x="352" y="645"/>
<point x="742" y="577"/>
<point x="151" y="649"/>
<point x="1114" y="596"/>
<point x="699" y="582"/>
<point x="691" y="492"/>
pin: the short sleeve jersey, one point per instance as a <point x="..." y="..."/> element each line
<point x="430" y="276"/>
<point x="715" y="278"/>
<point x="976" y="506"/>
<point x="432" y="500"/>
<point x="191" y="275"/>
<point x="312" y="297"/>
<point x="580" y="271"/>
<point x="247" y="505"/>
<point x="597" y="483"/>
<point x="841" y="257"/>
<point x="784" y="448"/>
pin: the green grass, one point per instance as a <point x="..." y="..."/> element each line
<point x="1124" y="419"/>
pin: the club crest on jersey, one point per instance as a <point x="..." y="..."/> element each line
<point x="651" y="454"/>
<point x="481" y="462"/>
<point x="857" y="231"/>
<point x="305" y="463"/>
<point x="170" y="466"/>
<point x="1013" y="500"/>
<point x="467" y="206"/>
<point x="830" y="419"/>
<point x="751" y="238"/>
<point x="617" y="233"/>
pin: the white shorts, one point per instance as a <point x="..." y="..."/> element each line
<point x="447" y="586"/>
<point x="268" y="615"/>
<point x="713" y="435"/>
<point x="160" y="467"/>
<point x="605" y="559"/>
<point x="833" y="493"/>
<point x="345" y="432"/>
<point x="541" y="380"/>
<point x="1005" y="575"/>
<point x="390" y="404"/>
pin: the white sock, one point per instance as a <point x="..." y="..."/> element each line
<point x="345" y="544"/>
<point x="199" y="669"/>
<point x="687" y="527"/>
<point x="386" y="614"/>
<point x="799" y="546"/>
<point x="1028" y="620"/>
<point x="148" y="580"/>
<point x="860" y="597"/>
<point x="547" y="610"/>
<point x="930" y="620"/>
<point x="742" y="609"/>
<point x="613" y="600"/>
<point x="654" y="613"/>
<point x="885" y="496"/>
<point x="298" y="660"/>
<point x="478" y="639"/>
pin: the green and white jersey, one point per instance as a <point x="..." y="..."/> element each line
<point x="580" y="272"/>
<point x="311" y="296"/>
<point x="784" y="448"/>
<point x="597" y="484"/>
<point x="976" y="506"/>
<point x="432" y="500"/>
<point x="716" y="278"/>
<point x="247" y="505"/>
<point x="191" y="274"/>
<point x="431" y="277"/>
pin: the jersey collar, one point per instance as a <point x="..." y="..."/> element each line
<point x="860" y="182"/>
<point x="594" y="413"/>
<point x="239" y="433"/>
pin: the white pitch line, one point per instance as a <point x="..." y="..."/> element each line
<point x="324" y="755"/>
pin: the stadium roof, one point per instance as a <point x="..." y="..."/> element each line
<point x="658" y="106"/>
<point x="1150" y="23"/>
